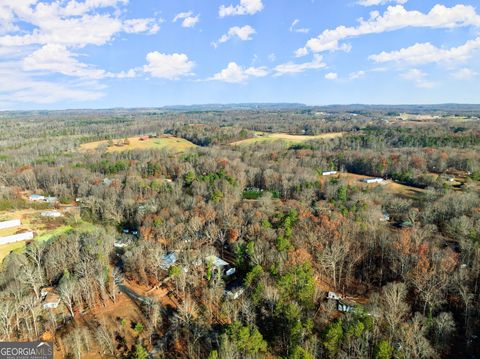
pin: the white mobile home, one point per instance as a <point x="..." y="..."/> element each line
<point x="329" y="173"/>
<point x="36" y="198"/>
<point x="10" y="224"/>
<point x="373" y="180"/>
<point x="16" y="238"/>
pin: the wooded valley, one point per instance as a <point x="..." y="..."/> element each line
<point x="243" y="233"/>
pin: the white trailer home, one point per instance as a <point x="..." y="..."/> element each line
<point x="10" y="224"/>
<point x="17" y="238"/>
<point x="373" y="180"/>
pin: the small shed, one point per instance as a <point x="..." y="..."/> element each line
<point x="385" y="217"/>
<point x="234" y="290"/>
<point x="118" y="244"/>
<point x="334" y="296"/>
<point x="51" y="299"/>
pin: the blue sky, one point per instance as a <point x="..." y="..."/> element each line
<point x="132" y="53"/>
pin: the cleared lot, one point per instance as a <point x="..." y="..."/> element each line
<point x="135" y="143"/>
<point x="266" y="137"/>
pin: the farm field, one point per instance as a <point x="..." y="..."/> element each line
<point x="44" y="228"/>
<point x="30" y="218"/>
<point x="291" y="139"/>
<point x="170" y="143"/>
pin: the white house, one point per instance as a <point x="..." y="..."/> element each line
<point x="168" y="260"/>
<point x="373" y="180"/>
<point x="216" y="262"/>
<point x="221" y="266"/>
<point x="329" y="173"/>
<point x="10" y="224"/>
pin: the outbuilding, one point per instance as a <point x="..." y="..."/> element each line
<point x="51" y="299"/>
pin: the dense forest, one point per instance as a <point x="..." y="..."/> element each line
<point x="226" y="250"/>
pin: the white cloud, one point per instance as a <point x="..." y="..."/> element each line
<point x="235" y="73"/>
<point x="43" y="37"/>
<point x="189" y="20"/>
<point x="418" y="77"/>
<point x="56" y="58"/>
<point x="135" y="26"/>
<point x="75" y="8"/>
<point x="464" y="74"/>
<point x="294" y="28"/>
<point x="425" y="53"/>
<point x="72" y="23"/>
<point x="77" y="32"/>
<point x="17" y="87"/>
<point x="246" y="7"/>
<point x="357" y="75"/>
<point x="293" y="68"/>
<point x="167" y="66"/>
<point x="379" y="2"/>
<point x="394" y="18"/>
<point x="243" y="33"/>
<point x="331" y="76"/>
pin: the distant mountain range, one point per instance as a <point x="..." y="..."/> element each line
<point x="353" y="108"/>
